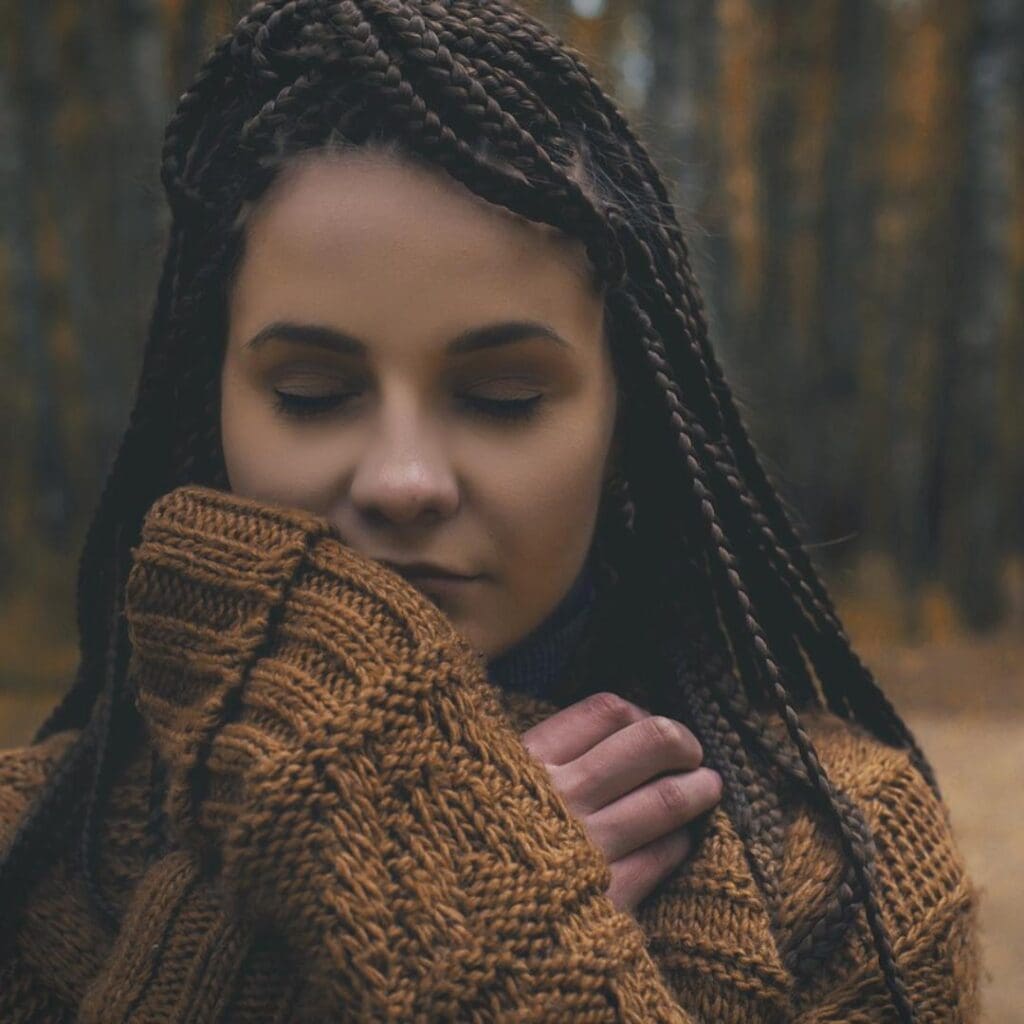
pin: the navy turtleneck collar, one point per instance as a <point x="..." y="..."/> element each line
<point x="535" y="665"/>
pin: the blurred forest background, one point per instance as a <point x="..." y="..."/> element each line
<point x="851" y="174"/>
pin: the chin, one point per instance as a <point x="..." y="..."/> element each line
<point x="478" y="638"/>
<point x="459" y="612"/>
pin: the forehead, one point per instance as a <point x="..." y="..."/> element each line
<point x="342" y="235"/>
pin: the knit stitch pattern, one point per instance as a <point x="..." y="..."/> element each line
<point x="357" y="833"/>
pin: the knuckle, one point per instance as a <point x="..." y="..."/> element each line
<point x="673" y="795"/>
<point x="675" y="737"/>
<point x="569" y="783"/>
<point x="611" y="707"/>
<point x="659" y="731"/>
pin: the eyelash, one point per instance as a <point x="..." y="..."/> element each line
<point x="308" y="406"/>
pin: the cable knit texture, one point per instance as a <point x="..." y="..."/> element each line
<point x="357" y="833"/>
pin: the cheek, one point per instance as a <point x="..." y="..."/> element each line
<point x="548" y="506"/>
<point x="538" y="507"/>
<point x="265" y="460"/>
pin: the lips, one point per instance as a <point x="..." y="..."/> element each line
<point x="425" y="571"/>
<point x="446" y="592"/>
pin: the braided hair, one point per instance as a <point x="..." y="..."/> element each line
<point x="713" y="592"/>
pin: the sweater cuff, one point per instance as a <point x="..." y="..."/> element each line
<point x="336" y="743"/>
<point x="208" y="578"/>
<point x="214" y="578"/>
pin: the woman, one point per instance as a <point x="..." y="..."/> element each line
<point x="445" y="652"/>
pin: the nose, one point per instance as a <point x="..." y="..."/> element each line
<point x="405" y="475"/>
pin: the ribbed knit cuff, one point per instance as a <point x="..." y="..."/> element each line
<point x="337" y="744"/>
<point x="207" y="577"/>
<point x="217" y="582"/>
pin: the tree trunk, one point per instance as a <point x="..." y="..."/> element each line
<point x="682" y="111"/>
<point x="125" y="202"/>
<point x="846" y="239"/>
<point x="31" y="86"/>
<point x="984" y="302"/>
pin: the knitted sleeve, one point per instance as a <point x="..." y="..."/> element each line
<point x="337" y="756"/>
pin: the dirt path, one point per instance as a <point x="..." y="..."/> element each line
<point x="964" y="699"/>
<point x="979" y="762"/>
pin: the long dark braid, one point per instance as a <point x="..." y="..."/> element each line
<point x="638" y="173"/>
<point x="746" y="628"/>
<point x="849" y="679"/>
<point x="506" y="108"/>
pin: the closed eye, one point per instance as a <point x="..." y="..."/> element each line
<point x="504" y="408"/>
<point x="302" y="406"/>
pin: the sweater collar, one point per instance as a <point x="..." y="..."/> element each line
<point x="535" y="665"/>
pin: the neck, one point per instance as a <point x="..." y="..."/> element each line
<point x="535" y="664"/>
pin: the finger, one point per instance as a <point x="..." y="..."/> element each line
<point x="653" y="810"/>
<point x="626" y="760"/>
<point x="638" y="874"/>
<point x="574" y="730"/>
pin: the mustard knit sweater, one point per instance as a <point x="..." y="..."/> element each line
<point x="356" y="832"/>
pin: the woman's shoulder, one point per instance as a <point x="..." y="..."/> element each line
<point x="924" y="893"/>
<point x="23" y="771"/>
<point x="924" y="886"/>
<point x="856" y="760"/>
<point x="906" y="814"/>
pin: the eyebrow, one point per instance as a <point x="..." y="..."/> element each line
<point x="472" y="340"/>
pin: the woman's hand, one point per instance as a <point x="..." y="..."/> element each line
<point x="607" y="758"/>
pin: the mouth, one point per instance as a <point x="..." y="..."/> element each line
<point x="447" y="592"/>
<point x="426" y="573"/>
<point x="440" y="584"/>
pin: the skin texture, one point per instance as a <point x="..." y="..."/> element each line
<point x="634" y="780"/>
<point x="408" y="468"/>
<point x="405" y="259"/>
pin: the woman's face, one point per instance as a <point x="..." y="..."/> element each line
<point x="428" y="372"/>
